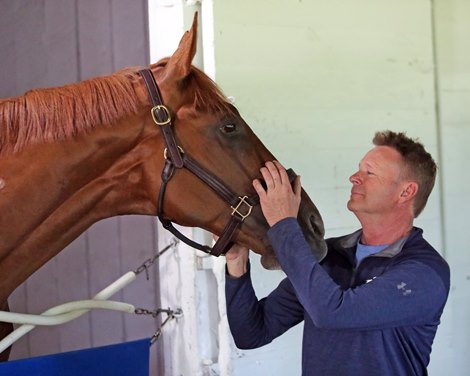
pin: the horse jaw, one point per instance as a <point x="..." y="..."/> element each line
<point x="312" y="227"/>
<point x="269" y="261"/>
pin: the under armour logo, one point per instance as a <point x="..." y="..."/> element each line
<point x="401" y="286"/>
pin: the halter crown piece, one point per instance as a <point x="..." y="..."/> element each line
<point x="176" y="158"/>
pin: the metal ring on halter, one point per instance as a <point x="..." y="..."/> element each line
<point x="165" y="152"/>
<point x="167" y="113"/>
<point x="236" y="209"/>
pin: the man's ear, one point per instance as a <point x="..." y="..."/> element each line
<point x="409" y="191"/>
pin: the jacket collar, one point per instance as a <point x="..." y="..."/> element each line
<point x="350" y="241"/>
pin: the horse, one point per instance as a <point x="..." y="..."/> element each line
<point x="73" y="155"/>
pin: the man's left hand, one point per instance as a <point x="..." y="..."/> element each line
<point x="278" y="201"/>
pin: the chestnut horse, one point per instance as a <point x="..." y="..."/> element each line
<point x="74" y="155"/>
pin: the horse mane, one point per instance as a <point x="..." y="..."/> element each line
<point x="54" y="114"/>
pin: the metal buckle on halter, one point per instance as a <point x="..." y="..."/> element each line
<point x="165" y="152"/>
<point x="236" y="208"/>
<point x="165" y="110"/>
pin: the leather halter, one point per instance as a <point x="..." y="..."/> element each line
<point x="176" y="158"/>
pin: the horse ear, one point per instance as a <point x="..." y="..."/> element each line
<point x="179" y="65"/>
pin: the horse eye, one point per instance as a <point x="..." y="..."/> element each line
<point x="228" y="128"/>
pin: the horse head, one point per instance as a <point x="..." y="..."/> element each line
<point x="209" y="129"/>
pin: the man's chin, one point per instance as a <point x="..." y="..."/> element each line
<point x="353" y="206"/>
<point x="350" y="205"/>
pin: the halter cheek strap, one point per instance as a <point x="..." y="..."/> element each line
<point x="161" y="116"/>
<point x="175" y="158"/>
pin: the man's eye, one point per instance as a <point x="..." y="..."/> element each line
<point x="228" y="128"/>
<point x="370" y="173"/>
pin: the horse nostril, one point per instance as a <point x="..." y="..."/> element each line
<point x="313" y="225"/>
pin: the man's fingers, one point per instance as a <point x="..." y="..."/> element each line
<point x="268" y="178"/>
<point x="259" y="188"/>
<point x="297" y="186"/>
<point x="273" y="170"/>
<point x="282" y="172"/>
<point x="275" y="176"/>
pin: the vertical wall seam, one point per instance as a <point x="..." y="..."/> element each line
<point x="77" y="42"/>
<point x="437" y="111"/>
<point x="88" y="285"/>
<point x="146" y="32"/>
<point x="111" y="36"/>
<point x="28" y="336"/>
<point x="121" y="272"/>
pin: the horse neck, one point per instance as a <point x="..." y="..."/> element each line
<point x="54" y="192"/>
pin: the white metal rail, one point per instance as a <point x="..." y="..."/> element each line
<point x="70" y="311"/>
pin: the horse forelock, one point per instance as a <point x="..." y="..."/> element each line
<point x="54" y="114"/>
<point x="205" y="94"/>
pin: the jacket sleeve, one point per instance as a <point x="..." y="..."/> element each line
<point x="255" y="323"/>
<point x="409" y="293"/>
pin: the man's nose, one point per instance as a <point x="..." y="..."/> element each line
<point x="355" y="178"/>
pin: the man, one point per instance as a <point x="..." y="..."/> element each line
<point x="373" y="304"/>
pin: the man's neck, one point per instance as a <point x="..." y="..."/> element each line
<point x="378" y="230"/>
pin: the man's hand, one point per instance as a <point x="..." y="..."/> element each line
<point x="278" y="201"/>
<point x="236" y="258"/>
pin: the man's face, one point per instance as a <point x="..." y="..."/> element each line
<point x="376" y="186"/>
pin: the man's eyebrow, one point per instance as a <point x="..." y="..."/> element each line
<point x="366" y="164"/>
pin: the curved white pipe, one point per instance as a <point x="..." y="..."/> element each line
<point x="65" y="312"/>
<point x="104" y="294"/>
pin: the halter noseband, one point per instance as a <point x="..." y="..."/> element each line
<point x="176" y="158"/>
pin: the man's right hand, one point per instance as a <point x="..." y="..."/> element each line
<point x="236" y="258"/>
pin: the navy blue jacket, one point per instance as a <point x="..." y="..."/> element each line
<point x="377" y="318"/>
